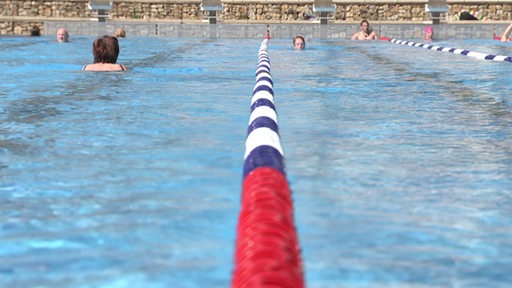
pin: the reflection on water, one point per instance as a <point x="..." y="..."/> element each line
<point x="399" y="159"/>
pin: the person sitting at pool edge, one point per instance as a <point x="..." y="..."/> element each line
<point x="504" y="37"/>
<point x="299" y="43"/>
<point x="105" y="51"/>
<point x="62" y="35"/>
<point x="365" y="33"/>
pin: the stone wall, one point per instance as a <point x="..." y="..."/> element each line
<point x="18" y="16"/>
<point x="39" y="8"/>
<point x="154" y="11"/>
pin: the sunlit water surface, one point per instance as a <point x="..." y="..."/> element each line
<point x="399" y="159"/>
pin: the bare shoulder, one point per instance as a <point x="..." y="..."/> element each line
<point x="104" y="67"/>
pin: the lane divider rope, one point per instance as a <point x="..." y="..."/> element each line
<point x="473" y="54"/>
<point x="267" y="248"/>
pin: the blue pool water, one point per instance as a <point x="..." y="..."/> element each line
<point x="399" y="159"/>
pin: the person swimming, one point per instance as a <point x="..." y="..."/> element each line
<point x="299" y="42"/>
<point x="35" y="31"/>
<point x="105" y="51"/>
<point x="62" y="35"/>
<point x="365" y="33"/>
<point x="428" y="33"/>
<point x="120" y="33"/>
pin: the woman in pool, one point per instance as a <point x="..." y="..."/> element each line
<point x="105" y="51"/>
<point x="429" y="32"/>
<point x="299" y="42"/>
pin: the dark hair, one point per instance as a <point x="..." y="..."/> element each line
<point x="299" y="37"/>
<point x="35" y="31"/>
<point x="467" y="16"/>
<point x="370" y="30"/>
<point x="105" y="49"/>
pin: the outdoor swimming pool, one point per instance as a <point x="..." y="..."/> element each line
<point x="399" y="159"/>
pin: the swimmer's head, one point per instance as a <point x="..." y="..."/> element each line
<point x="120" y="33"/>
<point x="428" y="33"/>
<point x="62" y="35"/>
<point x="299" y="43"/>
